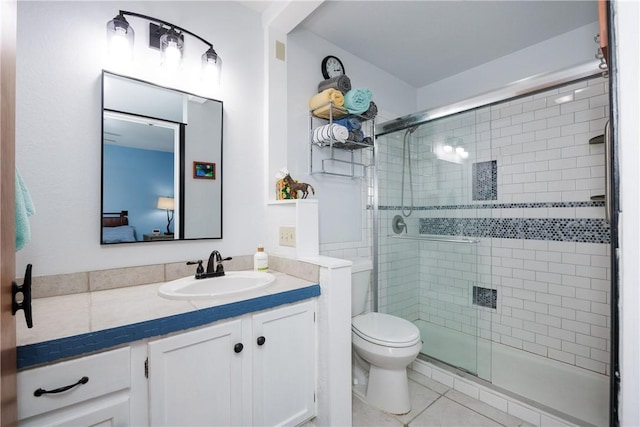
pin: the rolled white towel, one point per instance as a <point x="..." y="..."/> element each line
<point x="330" y="133"/>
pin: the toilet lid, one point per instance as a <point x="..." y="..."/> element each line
<point x="385" y="329"/>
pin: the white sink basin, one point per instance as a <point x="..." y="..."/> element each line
<point x="233" y="282"/>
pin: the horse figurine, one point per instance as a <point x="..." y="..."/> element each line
<point x="298" y="186"/>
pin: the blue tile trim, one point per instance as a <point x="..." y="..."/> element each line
<point x="50" y="351"/>
<point x="589" y="204"/>
<point x="555" y="229"/>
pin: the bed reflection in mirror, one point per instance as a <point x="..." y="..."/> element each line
<point x="152" y="138"/>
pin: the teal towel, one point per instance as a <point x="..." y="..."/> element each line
<point x="356" y="101"/>
<point x="24" y="209"/>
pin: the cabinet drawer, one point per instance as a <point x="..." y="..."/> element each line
<point x="106" y="372"/>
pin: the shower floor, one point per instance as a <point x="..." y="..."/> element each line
<point x="455" y="348"/>
<point x="566" y="388"/>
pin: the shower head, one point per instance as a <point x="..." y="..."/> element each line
<point x="412" y="129"/>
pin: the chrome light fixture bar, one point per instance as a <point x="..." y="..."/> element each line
<point x="163" y="35"/>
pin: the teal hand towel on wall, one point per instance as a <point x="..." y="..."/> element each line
<point x="24" y="209"/>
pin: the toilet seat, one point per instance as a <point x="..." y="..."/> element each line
<point x="385" y="330"/>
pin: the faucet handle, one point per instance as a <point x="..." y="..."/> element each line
<point x="200" y="268"/>
<point x="220" y="267"/>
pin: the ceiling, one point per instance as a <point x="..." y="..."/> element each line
<point x="138" y="134"/>
<point x="421" y="42"/>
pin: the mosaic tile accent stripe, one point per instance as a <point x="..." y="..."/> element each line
<point x="589" y="204"/>
<point x="555" y="229"/>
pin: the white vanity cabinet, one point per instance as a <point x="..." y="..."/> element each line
<point x="284" y="349"/>
<point x="92" y="390"/>
<point x="195" y="378"/>
<point x="255" y="370"/>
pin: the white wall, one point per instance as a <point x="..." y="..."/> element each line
<point x="61" y="48"/>
<point x="565" y="51"/>
<point x="341" y="200"/>
<point x="628" y="52"/>
<point x="202" y="196"/>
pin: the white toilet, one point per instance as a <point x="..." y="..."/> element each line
<point x="383" y="345"/>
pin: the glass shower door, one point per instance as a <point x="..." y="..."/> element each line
<point x="428" y="268"/>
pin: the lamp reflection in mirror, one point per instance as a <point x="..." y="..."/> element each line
<point x="167" y="204"/>
<point x="120" y="37"/>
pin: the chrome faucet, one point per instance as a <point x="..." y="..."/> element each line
<point x="214" y="266"/>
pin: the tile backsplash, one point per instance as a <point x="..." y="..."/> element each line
<point x="90" y="281"/>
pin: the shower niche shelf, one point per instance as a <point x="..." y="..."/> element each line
<point x="329" y="155"/>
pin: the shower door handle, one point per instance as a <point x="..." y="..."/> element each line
<point x="608" y="168"/>
<point x="607" y="172"/>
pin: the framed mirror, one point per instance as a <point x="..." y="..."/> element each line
<point x="161" y="163"/>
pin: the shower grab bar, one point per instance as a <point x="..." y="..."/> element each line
<point x="433" y="238"/>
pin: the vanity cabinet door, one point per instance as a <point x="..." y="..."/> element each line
<point x="284" y="344"/>
<point x="195" y="378"/>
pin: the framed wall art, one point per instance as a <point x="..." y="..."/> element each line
<point x="204" y="170"/>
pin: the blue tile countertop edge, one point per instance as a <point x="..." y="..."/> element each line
<point x="51" y="351"/>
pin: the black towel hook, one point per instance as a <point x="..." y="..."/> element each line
<point x="25" y="303"/>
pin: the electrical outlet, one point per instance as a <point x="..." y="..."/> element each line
<point x="288" y="236"/>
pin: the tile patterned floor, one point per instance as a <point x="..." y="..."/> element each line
<point x="434" y="404"/>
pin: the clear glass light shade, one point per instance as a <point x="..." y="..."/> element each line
<point x="171" y="46"/>
<point x="120" y="37"/>
<point x="211" y="66"/>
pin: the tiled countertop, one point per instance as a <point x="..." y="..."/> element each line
<point x="70" y="325"/>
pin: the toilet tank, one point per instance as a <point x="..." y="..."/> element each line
<point x="360" y="279"/>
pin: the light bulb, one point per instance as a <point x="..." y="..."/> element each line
<point x="447" y="149"/>
<point x="119" y="44"/>
<point x="172" y="54"/>
<point x="171" y="46"/>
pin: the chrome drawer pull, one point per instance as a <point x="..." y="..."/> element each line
<point x="40" y="391"/>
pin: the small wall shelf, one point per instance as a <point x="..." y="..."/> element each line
<point x="348" y="158"/>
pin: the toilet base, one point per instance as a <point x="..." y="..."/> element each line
<point x="388" y="390"/>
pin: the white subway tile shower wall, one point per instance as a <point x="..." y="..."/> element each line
<point x="542" y="146"/>
<point x="553" y="296"/>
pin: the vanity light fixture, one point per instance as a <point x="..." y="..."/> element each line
<point x="171" y="46"/>
<point x="167" y="204"/>
<point x="211" y="65"/>
<point x="163" y="35"/>
<point x="120" y="36"/>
